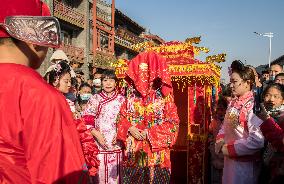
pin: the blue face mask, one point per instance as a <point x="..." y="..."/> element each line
<point x="272" y="77"/>
<point x="86" y="96"/>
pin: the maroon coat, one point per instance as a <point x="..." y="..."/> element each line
<point x="273" y="133"/>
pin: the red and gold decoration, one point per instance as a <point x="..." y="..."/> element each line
<point x="195" y="40"/>
<point x="216" y="58"/>
<point x="195" y="85"/>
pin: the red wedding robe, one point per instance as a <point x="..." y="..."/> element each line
<point x="38" y="139"/>
<point x="161" y="121"/>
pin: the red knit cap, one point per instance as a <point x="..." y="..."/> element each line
<point x="21" y="8"/>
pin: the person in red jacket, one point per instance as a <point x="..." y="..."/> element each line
<point x="148" y="121"/>
<point x="39" y="142"/>
<point x="273" y="115"/>
<point x="272" y="128"/>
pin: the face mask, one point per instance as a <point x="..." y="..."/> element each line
<point x="272" y="77"/>
<point x="86" y="96"/>
<point x="97" y="82"/>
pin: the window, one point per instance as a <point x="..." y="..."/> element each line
<point x="66" y="37"/>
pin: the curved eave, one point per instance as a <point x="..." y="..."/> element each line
<point x="189" y="73"/>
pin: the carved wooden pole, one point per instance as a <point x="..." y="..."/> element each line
<point x="112" y="24"/>
<point x="95" y="34"/>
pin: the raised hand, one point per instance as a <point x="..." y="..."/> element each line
<point x="263" y="114"/>
<point x="136" y="133"/>
<point x="144" y="134"/>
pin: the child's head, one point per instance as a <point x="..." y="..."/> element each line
<point x="59" y="76"/>
<point x="85" y="88"/>
<point x="97" y="81"/>
<point x="265" y="75"/>
<point x="109" y="80"/>
<point x="85" y="91"/>
<point x="273" y="96"/>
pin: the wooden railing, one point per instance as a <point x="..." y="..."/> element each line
<point x="103" y="15"/>
<point x="128" y="36"/>
<point x="68" y="14"/>
<point x="73" y="52"/>
<point x="123" y="42"/>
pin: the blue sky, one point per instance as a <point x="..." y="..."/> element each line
<point x="225" y="26"/>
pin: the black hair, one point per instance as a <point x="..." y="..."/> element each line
<point x="74" y="82"/>
<point x="85" y="85"/>
<point x="279" y="75"/>
<point x="110" y="74"/>
<point x="277" y="86"/>
<point x="227" y="91"/>
<point x="222" y="102"/>
<point x="52" y="75"/>
<point x="277" y="64"/>
<point x="245" y="72"/>
<point x="264" y="72"/>
<point x="79" y="72"/>
<point x="99" y="71"/>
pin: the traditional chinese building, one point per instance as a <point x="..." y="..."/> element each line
<point x="96" y="36"/>
<point x="127" y="33"/>
<point x="73" y="17"/>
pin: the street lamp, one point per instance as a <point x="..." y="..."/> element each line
<point x="269" y="35"/>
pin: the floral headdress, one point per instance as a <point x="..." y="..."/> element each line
<point x="55" y="67"/>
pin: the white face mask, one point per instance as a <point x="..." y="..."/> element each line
<point x="97" y="82"/>
<point x="86" y="96"/>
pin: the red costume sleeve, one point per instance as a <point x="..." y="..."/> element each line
<point x="273" y="133"/>
<point x="123" y="123"/>
<point x="165" y="135"/>
<point x="50" y="138"/>
<point x="89" y="147"/>
<point x="89" y="120"/>
<point x="38" y="138"/>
